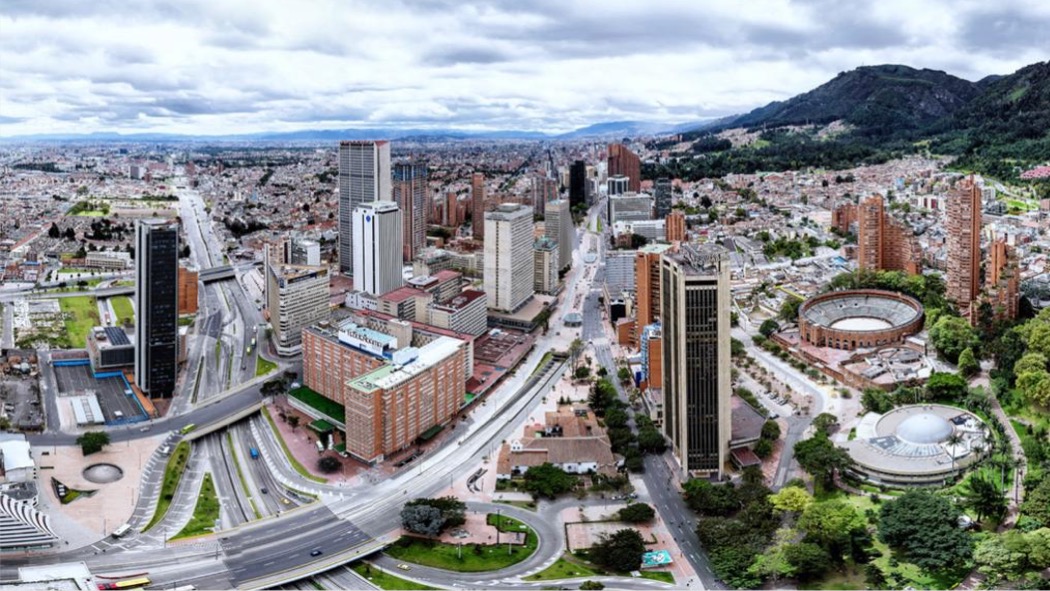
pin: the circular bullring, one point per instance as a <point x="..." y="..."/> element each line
<point x="858" y="318"/>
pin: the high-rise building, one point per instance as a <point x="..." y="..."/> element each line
<point x="578" y="183"/>
<point x="410" y="192"/>
<point x="624" y="162"/>
<point x="297" y="296"/>
<point x="545" y="266"/>
<point x="963" y="228"/>
<point x="694" y="310"/>
<point x="452" y="218"/>
<point x="465" y="312"/>
<point x="477" y="198"/>
<point x="364" y="177"/>
<point x="1003" y="280"/>
<point x="629" y="207"/>
<point x="617" y="185"/>
<point x="508" y="268"/>
<point x="647" y="283"/>
<point x="662" y="193"/>
<point x="675" y="226"/>
<point x="883" y="242"/>
<point x="558" y="226"/>
<point x="156" y="306"/>
<point x="377" y="247"/>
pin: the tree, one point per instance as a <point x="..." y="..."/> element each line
<point x="825" y="422"/>
<point x="53" y="231"/>
<point x="771" y="430"/>
<point x="575" y="348"/>
<point x="93" y="441"/>
<point x="293" y="421"/>
<point x="1036" y="504"/>
<point x="968" y="365"/>
<point x="791" y="499"/>
<point x="624" y="374"/>
<point x="773" y="563"/>
<point x="951" y="335"/>
<point x="637" y="513"/>
<point x="422" y="519"/>
<point x="711" y="499"/>
<point x="768" y="327"/>
<point x="925" y="527"/>
<point x="452" y="510"/>
<point x="763" y="448"/>
<point x="789" y="309"/>
<point x="548" y="480"/>
<point x="651" y="440"/>
<point x="328" y="464"/>
<point x="1030" y="362"/>
<point x="945" y="386"/>
<point x="821" y="458"/>
<point x="589" y="585"/>
<point x="808" y="560"/>
<point x="985" y="498"/>
<point x="582" y="372"/>
<point x="876" y="400"/>
<point x="622" y="551"/>
<point x="831" y="524"/>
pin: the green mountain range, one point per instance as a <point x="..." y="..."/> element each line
<point x="999" y="125"/>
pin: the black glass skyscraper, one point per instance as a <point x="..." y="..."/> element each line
<point x="156" y="306"/>
<point x="578" y="183"/>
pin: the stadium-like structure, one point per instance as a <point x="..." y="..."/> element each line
<point x="858" y="318"/>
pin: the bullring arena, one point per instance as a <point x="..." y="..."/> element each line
<point x="858" y="318"/>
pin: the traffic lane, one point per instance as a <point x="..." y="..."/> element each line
<point x="260" y="560"/>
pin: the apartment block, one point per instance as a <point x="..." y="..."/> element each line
<point x="963" y="229"/>
<point x="545" y="266"/>
<point x="297" y="297"/>
<point x="465" y="312"/>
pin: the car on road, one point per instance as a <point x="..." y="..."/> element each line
<point x="404" y="566"/>
<point x="264" y="490"/>
<point x="316" y="552"/>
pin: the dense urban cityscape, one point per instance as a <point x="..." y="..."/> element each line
<point x="799" y="346"/>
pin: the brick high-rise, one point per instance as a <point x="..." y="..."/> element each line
<point x="1003" y="281"/>
<point x="675" y="226"/>
<point x="647" y="285"/>
<point x="883" y="242"/>
<point x="622" y="161"/>
<point x="964" y="245"/>
<point x="410" y="192"/>
<point x="477" y="196"/>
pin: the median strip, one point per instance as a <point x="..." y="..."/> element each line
<point x="172" y="474"/>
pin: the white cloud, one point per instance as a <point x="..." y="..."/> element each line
<point x="200" y="66"/>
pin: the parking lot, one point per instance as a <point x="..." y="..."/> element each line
<point x="117" y="407"/>
<point x="20" y="399"/>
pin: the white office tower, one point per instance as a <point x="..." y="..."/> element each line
<point x="377" y="235"/>
<point x="509" y="263"/>
<point x="558" y="227"/>
<point x="364" y="177"/>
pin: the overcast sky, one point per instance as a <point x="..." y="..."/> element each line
<point x="232" y="66"/>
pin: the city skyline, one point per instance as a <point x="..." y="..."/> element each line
<point x="543" y="67"/>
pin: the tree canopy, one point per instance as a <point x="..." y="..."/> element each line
<point x="93" y="441"/>
<point x="622" y="551"/>
<point x="821" y="458"/>
<point x="548" y="480"/>
<point x="925" y="527"/>
<point x="951" y="335"/>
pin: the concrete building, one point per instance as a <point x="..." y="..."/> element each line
<point x="883" y="242"/>
<point x="651" y="230"/>
<point x="623" y="161"/>
<point x="109" y="348"/>
<point x="617" y="185"/>
<point x="465" y="312"/>
<point x="377" y="247"/>
<point x="390" y="407"/>
<point x="676" y="226"/>
<point x="630" y="207"/>
<point x="187" y="291"/>
<point x="694" y="310"/>
<point x="410" y="192"/>
<point x="107" y="260"/>
<point x="509" y="262"/>
<point x="156" y="306"/>
<point x="578" y="192"/>
<point x="559" y="227"/>
<point x="406" y="302"/>
<point x="477" y="199"/>
<point x="364" y="177"/>
<point x="545" y="266"/>
<point x="297" y="297"/>
<point x="303" y="252"/>
<point x="963" y="228"/>
<point x="663" y="197"/>
<point x="443" y="284"/>
<point x="647" y="283"/>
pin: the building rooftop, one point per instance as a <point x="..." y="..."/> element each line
<point x="655" y="248"/>
<point x="391" y="375"/>
<point x="462" y="300"/>
<point x="401" y="294"/>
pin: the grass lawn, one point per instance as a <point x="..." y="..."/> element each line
<point x="186" y="320"/>
<point x="475" y="557"/>
<point x="205" y="513"/>
<point x="385" y="580"/>
<point x="80" y="315"/>
<point x="264" y="366"/>
<point x="564" y="568"/>
<point x="122" y="308"/>
<point x="322" y="404"/>
<point x="546" y="357"/>
<point x="658" y="575"/>
<point x="287" y="452"/>
<point x="172" y="475"/>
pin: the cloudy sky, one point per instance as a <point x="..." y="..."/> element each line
<point x="241" y="66"/>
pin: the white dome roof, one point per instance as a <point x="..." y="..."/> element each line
<point x="924" y="428"/>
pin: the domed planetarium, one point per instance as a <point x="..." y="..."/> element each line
<point x="918" y="445"/>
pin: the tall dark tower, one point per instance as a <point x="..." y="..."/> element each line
<point x="156" y="306"/>
<point x="410" y="194"/>
<point x="578" y="183"/>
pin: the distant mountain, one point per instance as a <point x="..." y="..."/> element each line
<point x="869" y="97"/>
